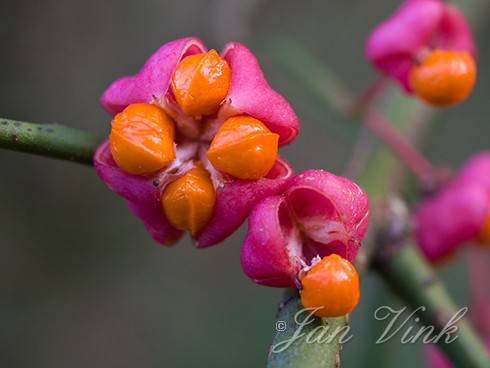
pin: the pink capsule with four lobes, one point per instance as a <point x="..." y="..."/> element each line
<point x="243" y="91"/>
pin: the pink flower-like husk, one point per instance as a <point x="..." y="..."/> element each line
<point x="455" y="214"/>
<point x="451" y="218"/>
<point x="395" y="43"/>
<point x="249" y="92"/>
<point x="318" y="214"/>
<point x="141" y="194"/>
<point x="152" y="82"/>
<point x="234" y="198"/>
<point x="476" y="170"/>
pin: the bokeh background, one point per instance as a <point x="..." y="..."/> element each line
<point x="81" y="283"/>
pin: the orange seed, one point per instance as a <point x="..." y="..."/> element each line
<point x="188" y="202"/>
<point x="141" y="139"/>
<point x="244" y="148"/>
<point x="200" y="83"/>
<point x="444" y="78"/>
<point x="332" y="285"/>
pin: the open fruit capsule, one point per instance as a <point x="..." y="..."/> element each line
<point x="188" y="202"/>
<point x="332" y="286"/>
<point x="141" y="139"/>
<point x="244" y="148"/>
<point x="444" y="78"/>
<point x="200" y="83"/>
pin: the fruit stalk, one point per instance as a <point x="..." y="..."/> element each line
<point x="50" y="140"/>
<point x="414" y="281"/>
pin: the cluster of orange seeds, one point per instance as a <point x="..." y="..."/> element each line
<point x="330" y="287"/>
<point x="143" y="140"/>
<point x="443" y="78"/>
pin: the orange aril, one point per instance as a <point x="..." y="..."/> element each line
<point x="331" y="286"/>
<point x="200" y="83"/>
<point x="244" y="148"/>
<point x="188" y="202"/>
<point x="141" y="139"/>
<point x="443" y="78"/>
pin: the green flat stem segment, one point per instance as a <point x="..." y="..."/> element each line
<point x="414" y="281"/>
<point x="50" y="140"/>
<point x="312" y="343"/>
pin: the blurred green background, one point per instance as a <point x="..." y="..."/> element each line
<point x="82" y="284"/>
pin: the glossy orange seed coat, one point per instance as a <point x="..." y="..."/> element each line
<point x="333" y="285"/>
<point x="141" y="139"/>
<point x="188" y="202"/>
<point x="200" y="83"/>
<point x="485" y="232"/>
<point x="444" y="78"/>
<point x="244" y="148"/>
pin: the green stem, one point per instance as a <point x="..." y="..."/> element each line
<point x="414" y="281"/>
<point x="51" y="140"/>
<point x="314" y="342"/>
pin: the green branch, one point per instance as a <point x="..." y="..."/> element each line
<point x="313" y="342"/>
<point x="51" y="140"/>
<point x="414" y="281"/>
